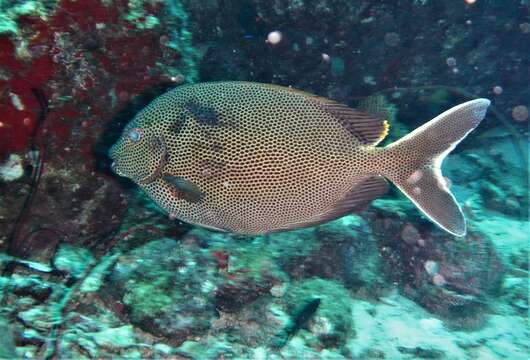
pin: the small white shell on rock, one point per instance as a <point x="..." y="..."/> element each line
<point x="438" y="280"/>
<point x="278" y="290"/>
<point x="431" y="267"/>
<point x="12" y="169"/>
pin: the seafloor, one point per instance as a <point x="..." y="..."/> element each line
<point x="90" y="268"/>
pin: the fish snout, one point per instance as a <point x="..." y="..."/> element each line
<point x="114" y="158"/>
<point x="115" y="169"/>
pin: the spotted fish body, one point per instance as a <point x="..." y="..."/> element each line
<point x="254" y="158"/>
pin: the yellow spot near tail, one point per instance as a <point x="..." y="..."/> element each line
<point x="384" y="133"/>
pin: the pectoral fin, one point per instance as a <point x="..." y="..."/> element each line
<point x="184" y="189"/>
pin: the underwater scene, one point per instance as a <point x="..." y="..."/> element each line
<point x="264" y="179"/>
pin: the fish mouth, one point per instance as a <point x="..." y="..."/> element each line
<point x="114" y="169"/>
<point x="164" y="159"/>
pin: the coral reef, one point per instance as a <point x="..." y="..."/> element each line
<point x="90" y="268"/>
<point x="451" y="278"/>
<point x="166" y="288"/>
<point x="74" y="71"/>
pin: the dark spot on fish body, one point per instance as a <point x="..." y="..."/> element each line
<point x="157" y="143"/>
<point x="200" y="144"/>
<point x="184" y="189"/>
<point x="203" y="114"/>
<point x="166" y="158"/>
<point x="178" y="124"/>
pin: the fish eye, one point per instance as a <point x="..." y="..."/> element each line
<point x="135" y="135"/>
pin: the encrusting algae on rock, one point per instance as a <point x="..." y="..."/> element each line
<point x="253" y="158"/>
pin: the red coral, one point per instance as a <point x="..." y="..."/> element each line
<point x="222" y="259"/>
<point x="88" y="61"/>
<point x="86" y="51"/>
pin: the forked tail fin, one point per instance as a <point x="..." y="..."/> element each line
<point x="414" y="163"/>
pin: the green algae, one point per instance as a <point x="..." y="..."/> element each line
<point x="115" y="337"/>
<point x="137" y="16"/>
<point x="73" y="260"/>
<point x="266" y="254"/>
<point x="11" y="10"/>
<point x="148" y="298"/>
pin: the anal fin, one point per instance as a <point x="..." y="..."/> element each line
<point x="363" y="192"/>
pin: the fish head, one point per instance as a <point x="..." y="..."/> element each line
<point x="140" y="153"/>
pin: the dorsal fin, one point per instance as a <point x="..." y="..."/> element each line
<point x="367" y="128"/>
<point x="364" y="190"/>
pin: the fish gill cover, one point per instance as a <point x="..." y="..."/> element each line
<point x="91" y="268"/>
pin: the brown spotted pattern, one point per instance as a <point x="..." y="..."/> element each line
<point x="263" y="156"/>
<point x="254" y="158"/>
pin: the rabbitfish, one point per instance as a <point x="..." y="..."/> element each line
<point x="254" y="158"/>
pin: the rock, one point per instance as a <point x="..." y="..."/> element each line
<point x="278" y="290"/>
<point x="31" y="337"/>
<point x="253" y="325"/>
<point x="346" y="251"/>
<point x="95" y="279"/>
<point x="163" y="349"/>
<point x="92" y="66"/>
<point x="72" y="260"/>
<point x="483" y="172"/>
<point x="33" y="287"/>
<point x="251" y="266"/>
<point x="7" y="344"/>
<point x="421" y="353"/>
<point x="468" y="270"/>
<point x="37" y="317"/>
<point x="515" y="293"/>
<point x="12" y="169"/>
<point x="115" y="337"/>
<point x="67" y="202"/>
<point x="331" y="323"/>
<point x="495" y="199"/>
<point x="207" y="349"/>
<point x="410" y="234"/>
<point x="163" y="287"/>
<point x="232" y="296"/>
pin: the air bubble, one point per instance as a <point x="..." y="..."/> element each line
<point x="520" y="113"/>
<point x="497" y="90"/>
<point x="392" y="39"/>
<point x="274" y="37"/>
<point x="450" y="61"/>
